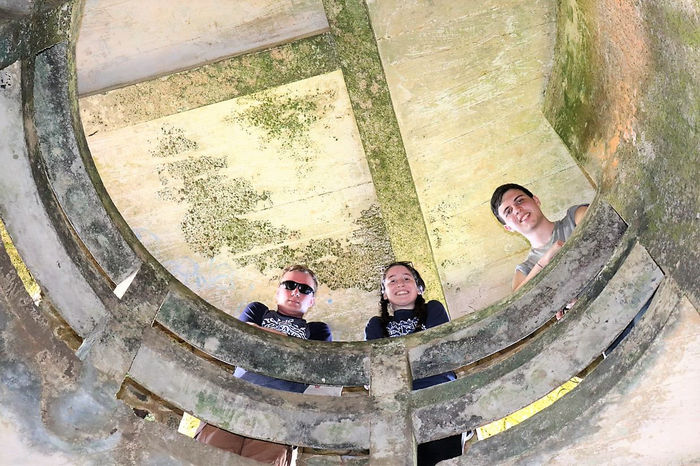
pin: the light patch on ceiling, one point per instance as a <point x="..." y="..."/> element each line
<point x="225" y="194"/>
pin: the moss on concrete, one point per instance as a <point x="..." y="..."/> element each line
<point x="172" y="141"/>
<point x="285" y="119"/>
<point x="215" y="82"/>
<point x="381" y="138"/>
<point x="570" y="102"/>
<point x="353" y="262"/>
<point x="631" y="117"/>
<point x="217" y="208"/>
<point x="658" y="190"/>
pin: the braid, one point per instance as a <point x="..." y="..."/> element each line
<point x="420" y="311"/>
<point x="384" y="315"/>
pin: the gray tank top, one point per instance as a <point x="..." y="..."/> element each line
<point x="562" y="230"/>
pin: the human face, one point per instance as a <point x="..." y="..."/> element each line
<point x="521" y="212"/>
<point x="291" y="302"/>
<point x="400" y="287"/>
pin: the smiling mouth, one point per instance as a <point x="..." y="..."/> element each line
<point x="524" y="217"/>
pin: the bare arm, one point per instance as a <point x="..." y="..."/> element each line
<point x="580" y="212"/>
<point x="519" y="279"/>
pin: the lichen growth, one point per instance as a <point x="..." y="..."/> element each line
<point x="172" y="141"/>
<point x="285" y="119"/>
<point x="353" y="262"/>
<point x="216" y="207"/>
<point x="216" y="221"/>
<point x="208" y="84"/>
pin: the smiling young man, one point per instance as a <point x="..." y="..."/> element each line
<point x="294" y="297"/>
<point x="519" y="211"/>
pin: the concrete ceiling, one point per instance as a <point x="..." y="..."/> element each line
<point x="235" y="138"/>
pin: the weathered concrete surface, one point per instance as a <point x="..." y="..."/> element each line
<point x="386" y="154"/>
<point x="65" y="410"/>
<point x="55" y="107"/>
<point x="226" y="194"/>
<point x="29" y="225"/>
<point x="211" y="393"/>
<point x="544" y="363"/>
<point x="123" y="42"/>
<point x="624" y="97"/>
<point x="228" y="340"/>
<point x="391" y="435"/>
<point x="57" y="409"/>
<point x="208" y="84"/>
<point x="466" y="80"/>
<point x="25" y="31"/>
<point x="647" y="405"/>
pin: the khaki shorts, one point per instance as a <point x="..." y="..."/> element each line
<point x="260" y="450"/>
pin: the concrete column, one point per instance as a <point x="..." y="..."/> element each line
<point x="391" y="432"/>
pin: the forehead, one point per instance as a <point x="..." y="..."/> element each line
<point x="299" y="277"/>
<point x="509" y="196"/>
<point x="397" y="270"/>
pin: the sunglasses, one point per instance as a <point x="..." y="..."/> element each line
<point x="303" y="288"/>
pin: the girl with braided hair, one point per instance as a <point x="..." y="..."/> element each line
<point x="403" y="310"/>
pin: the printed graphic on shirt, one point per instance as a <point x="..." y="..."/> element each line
<point x="288" y="326"/>
<point x="399" y="328"/>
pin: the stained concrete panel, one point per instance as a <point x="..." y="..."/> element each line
<point x="28" y="224"/>
<point x="466" y="80"/>
<point x="222" y="194"/>
<point x="651" y="416"/>
<point x="123" y="42"/>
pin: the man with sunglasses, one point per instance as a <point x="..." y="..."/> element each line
<point x="295" y="295"/>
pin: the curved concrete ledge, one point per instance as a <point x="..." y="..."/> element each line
<point x="26" y="28"/>
<point x="65" y="403"/>
<point x="57" y="409"/>
<point x="229" y="340"/>
<point x="478" y="335"/>
<point x="211" y="393"/>
<point x="29" y="224"/>
<point x="543" y="363"/>
<point x="55" y="111"/>
<point x="541" y="437"/>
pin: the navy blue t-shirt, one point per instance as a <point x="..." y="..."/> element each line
<point x="403" y="322"/>
<point x="259" y="314"/>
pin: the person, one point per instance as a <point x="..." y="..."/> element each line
<point x="518" y="210"/>
<point x="403" y="310"/>
<point x="295" y="296"/>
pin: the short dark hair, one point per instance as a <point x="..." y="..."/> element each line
<point x="497" y="197"/>
<point x="301" y="268"/>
